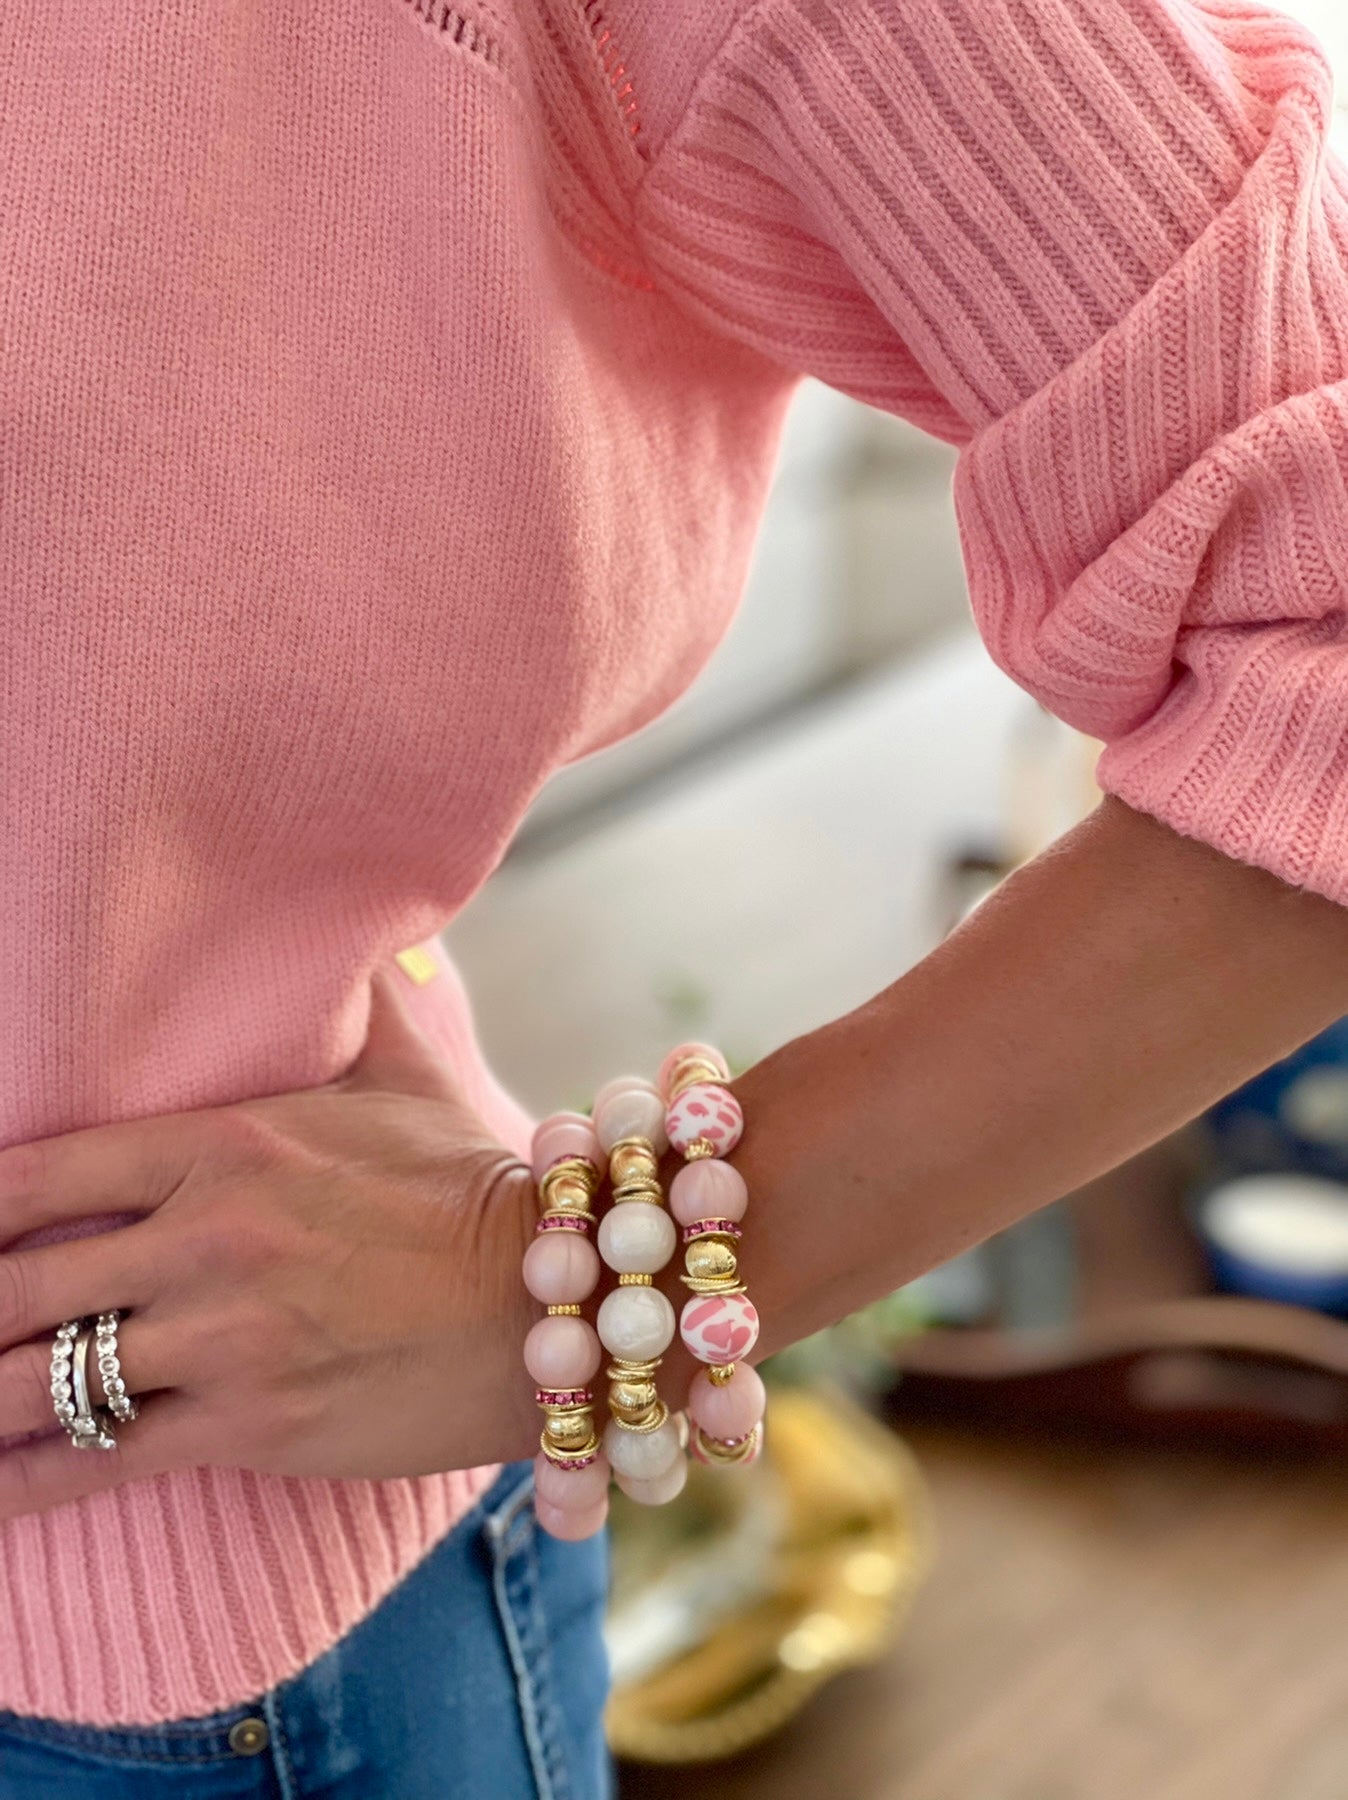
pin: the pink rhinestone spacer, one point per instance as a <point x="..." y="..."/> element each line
<point x="570" y="1222"/>
<point x="711" y="1228"/>
<point x="573" y="1463"/>
<point x="563" y="1397"/>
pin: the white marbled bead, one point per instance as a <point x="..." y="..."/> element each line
<point x="635" y="1323"/>
<point x="634" y="1110"/>
<point x="642" y="1455"/>
<point x="636" y="1238"/>
<point x="656" y="1490"/>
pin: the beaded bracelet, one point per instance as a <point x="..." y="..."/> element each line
<point x="719" y="1323"/>
<point x="642" y="1449"/>
<point x="561" y="1352"/>
<point x="636" y="1321"/>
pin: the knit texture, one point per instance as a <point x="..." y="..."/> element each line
<point x="391" y="393"/>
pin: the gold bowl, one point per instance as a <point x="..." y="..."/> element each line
<point x="733" y="1605"/>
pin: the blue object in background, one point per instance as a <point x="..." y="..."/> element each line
<point x="1292" y="1117"/>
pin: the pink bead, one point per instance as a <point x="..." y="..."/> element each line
<point x="562" y="1352"/>
<point x="571" y="1490"/>
<point x="705" y="1112"/>
<point x="719" y="1328"/>
<point x="571" y="1527"/>
<point x="564" y="1134"/>
<point x="561" y="1268"/>
<point x="707" y="1189"/>
<point x="731" y="1411"/>
<point x="620" y="1084"/>
<point x="680" y="1053"/>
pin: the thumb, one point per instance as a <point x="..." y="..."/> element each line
<point x="396" y="1054"/>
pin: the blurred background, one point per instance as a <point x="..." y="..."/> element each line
<point x="1067" y="1519"/>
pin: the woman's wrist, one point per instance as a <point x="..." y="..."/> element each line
<point x="1105" y="995"/>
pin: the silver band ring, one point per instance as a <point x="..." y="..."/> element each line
<point x="121" y="1405"/>
<point x="92" y="1429"/>
<point x="62" y="1352"/>
<point x="89" y="1427"/>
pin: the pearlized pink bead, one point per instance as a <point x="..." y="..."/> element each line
<point x="731" y="1411"/>
<point x="681" y="1053"/>
<point x="705" y="1112"/>
<point x="562" y="1352"/>
<point x="719" y="1328"/>
<point x="707" y="1189"/>
<point x="563" y="1134"/>
<point x="629" y="1107"/>
<point x="570" y="1526"/>
<point x="561" y="1268"/>
<point x="571" y="1490"/>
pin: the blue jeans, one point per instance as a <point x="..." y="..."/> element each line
<point x="482" y="1676"/>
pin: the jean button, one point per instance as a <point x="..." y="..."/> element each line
<point x="249" y="1737"/>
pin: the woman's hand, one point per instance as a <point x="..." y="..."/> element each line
<point x="320" y="1283"/>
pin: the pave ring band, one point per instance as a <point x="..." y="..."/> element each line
<point x="121" y="1405"/>
<point x="89" y="1427"/>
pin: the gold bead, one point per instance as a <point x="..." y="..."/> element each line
<point x="632" y="1399"/>
<point x="556" y="1453"/>
<point x="647" y="1423"/>
<point x="636" y="1280"/>
<point x="571" y="1311"/>
<point x="650" y="1191"/>
<point x="618" y="1370"/>
<point x="720" y="1373"/>
<point x="698" y="1148"/>
<point x="693" y="1071"/>
<point x="711" y="1259"/>
<point x="632" y="1159"/>
<point x="567" y="1196"/>
<point x="569" y="1430"/>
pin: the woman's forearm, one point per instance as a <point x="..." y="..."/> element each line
<point x="1105" y="994"/>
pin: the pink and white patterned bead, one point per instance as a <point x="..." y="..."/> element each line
<point x="719" y="1328"/>
<point x="706" y="1112"/>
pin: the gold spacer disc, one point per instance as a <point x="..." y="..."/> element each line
<point x="720" y="1373"/>
<point x="555" y="1452"/>
<point x="570" y="1311"/>
<point x="698" y="1148"/>
<point x="714" y="1284"/>
<point x="636" y="1281"/>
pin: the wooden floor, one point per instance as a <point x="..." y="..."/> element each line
<point x="1101" y="1625"/>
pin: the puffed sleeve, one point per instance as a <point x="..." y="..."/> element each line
<point x="1101" y="246"/>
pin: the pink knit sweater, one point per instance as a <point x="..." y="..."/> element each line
<point x="389" y="397"/>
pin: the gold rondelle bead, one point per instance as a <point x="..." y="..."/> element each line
<point x="698" y="1148"/>
<point x="636" y="1281"/>
<point x="570" y="1311"/>
<point x="720" y="1373"/>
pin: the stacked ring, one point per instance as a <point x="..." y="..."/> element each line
<point x="121" y="1405"/>
<point x="89" y="1426"/>
<point x="561" y="1352"/>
